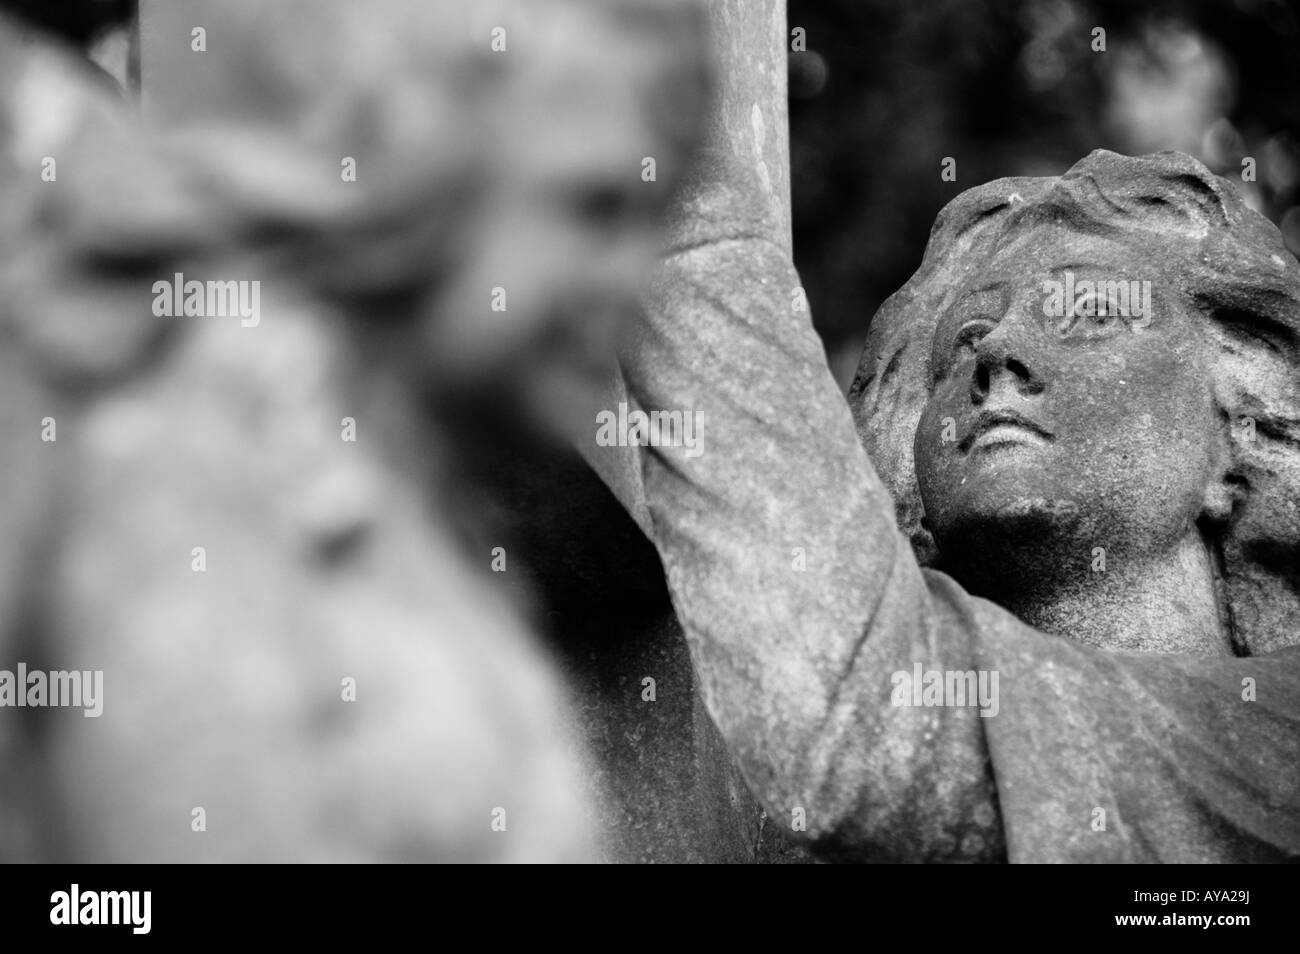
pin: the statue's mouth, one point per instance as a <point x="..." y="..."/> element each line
<point x="1003" y="428"/>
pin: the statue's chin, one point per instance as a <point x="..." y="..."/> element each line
<point x="990" y="517"/>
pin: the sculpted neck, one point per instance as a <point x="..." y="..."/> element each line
<point x="1159" y="605"/>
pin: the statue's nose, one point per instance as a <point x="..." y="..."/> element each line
<point x="1004" y="358"/>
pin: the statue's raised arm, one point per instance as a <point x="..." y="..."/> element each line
<point x="1083" y="409"/>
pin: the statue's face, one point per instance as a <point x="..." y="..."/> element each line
<point x="571" y="225"/>
<point x="1047" y="436"/>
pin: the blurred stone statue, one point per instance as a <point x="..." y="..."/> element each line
<point x="1042" y="603"/>
<point x="248" y="523"/>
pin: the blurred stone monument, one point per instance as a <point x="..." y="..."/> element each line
<point x="242" y="522"/>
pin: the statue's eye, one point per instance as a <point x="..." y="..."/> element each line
<point x="1090" y="316"/>
<point x="1095" y="308"/>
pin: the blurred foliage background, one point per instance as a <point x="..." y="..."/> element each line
<point x="887" y="88"/>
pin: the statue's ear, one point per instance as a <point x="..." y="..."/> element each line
<point x="1220" y="498"/>
<point x="1227" y="485"/>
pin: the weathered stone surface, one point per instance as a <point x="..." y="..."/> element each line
<point x="678" y="789"/>
<point x="810" y="619"/>
<point x="662" y="783"/>
<point x="1186" y="416"/>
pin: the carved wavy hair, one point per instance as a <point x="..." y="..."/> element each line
<point x="1234" y="272"/>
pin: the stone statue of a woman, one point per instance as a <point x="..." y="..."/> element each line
<point x="1090" y="507"/>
